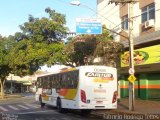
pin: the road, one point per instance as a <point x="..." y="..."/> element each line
<point x="26" y="108"/>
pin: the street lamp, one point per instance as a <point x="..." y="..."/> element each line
<point x="75" y="2"/>
<point x="78" y="3"/>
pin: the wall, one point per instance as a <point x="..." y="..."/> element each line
<point x="147" y="86"/>
<point x="109" y="15"/>
<point x="157" y="5"/>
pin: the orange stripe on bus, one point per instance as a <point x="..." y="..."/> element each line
<point x="63" y="92"/>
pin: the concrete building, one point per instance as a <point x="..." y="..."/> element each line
<point x="17" y="84"/>
<point x="146" y="33"/>
<point x="109" y="16"/>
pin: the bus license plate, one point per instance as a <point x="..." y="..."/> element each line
<point x="99" y="102"/>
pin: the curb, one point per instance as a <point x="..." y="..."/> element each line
<point x="127" y="112"/>
<point x="8" y="97"/>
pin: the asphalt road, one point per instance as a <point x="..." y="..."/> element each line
<point x="26" y="108"/>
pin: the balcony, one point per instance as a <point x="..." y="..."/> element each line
<point x="144" y="40"/>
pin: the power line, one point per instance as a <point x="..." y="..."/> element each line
<point x="102" y="9"/>
<point x="112" y="30"/>
<point x="85" y="6"/>
<point x="97" y="13"/>
<point x="115" y="11"/>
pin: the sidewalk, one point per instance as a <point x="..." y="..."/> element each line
<point x="141" y="107"/>
<point x="11" y="96"/>
<point x="144" y="110"/>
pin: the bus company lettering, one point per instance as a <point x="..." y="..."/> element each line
<point x="99" y="70"/>
<point x="100" y="77"/>
<point x="100" y="90"/>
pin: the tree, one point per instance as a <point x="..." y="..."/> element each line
<point x="109" y="53"/>
<point x="85" y="49"/>
<point x="108" y="50"/>
<point x="80" y="48"/>
<point x="4" y="68"/>
<point x="39" y="43"/>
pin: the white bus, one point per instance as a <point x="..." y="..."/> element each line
<point x="84" y="88"/>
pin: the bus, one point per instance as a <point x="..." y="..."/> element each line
<point x="84" y="88"/>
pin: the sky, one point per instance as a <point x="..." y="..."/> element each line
<point x="15" y="12"/>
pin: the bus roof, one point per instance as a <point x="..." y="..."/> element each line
<point x="63" y="70"/>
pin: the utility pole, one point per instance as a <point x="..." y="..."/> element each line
<point x="131" y="50"/>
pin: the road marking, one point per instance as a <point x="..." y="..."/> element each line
<point x="12" y="107"/>
<point x="31" y="105"/>
<point x="2" y="108"/>
<point x="53" y="112"/>
<point x="23" y="106"/>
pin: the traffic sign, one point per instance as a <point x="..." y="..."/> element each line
<point x="88" y="26"/>
<point x="132" y="78"/>
<point x="131" y="71"/>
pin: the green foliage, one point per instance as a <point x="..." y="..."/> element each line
<point x="80" y="48"/>
<point x="84" y="49"/>
<point x="39" y="43"/>
<point x="4" y="69"/>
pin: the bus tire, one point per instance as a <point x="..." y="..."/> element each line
<point x="59" y="106"/>
<point x="41" y="103"/>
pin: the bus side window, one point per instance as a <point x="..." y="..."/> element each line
<point x="61" y="82"/>
<point x="64" y="81"/>
<point x="39" y="83"/>
<point x="47" y="82"/>
<point x="53" y="81"/>
<point x="42" y="79"/>
<point x="50" y="84"/>
<point x="58" y="81"/>
<point x="75" y="82"/>
<point x="72" y="79"/>
<point x="69" y="80"/>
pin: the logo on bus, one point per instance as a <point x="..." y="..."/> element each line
<point x="100" y="77"/>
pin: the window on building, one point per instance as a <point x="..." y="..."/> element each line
<point x="125" y="22"/>
<point x="148" y="12"/>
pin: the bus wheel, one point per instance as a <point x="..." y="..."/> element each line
<point x="59" y="106"/>
<point x="42" y="104"/>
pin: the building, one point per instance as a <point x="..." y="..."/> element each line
<point x="146" y="32"/>
<point x="109" y="16"/>
<point x="17" y="84"/>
